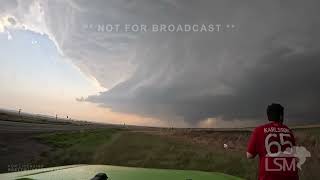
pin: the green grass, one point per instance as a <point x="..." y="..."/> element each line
<point x="73" y="147"/>
<point x="81" y="139"/>
<point x="133" y="149"/>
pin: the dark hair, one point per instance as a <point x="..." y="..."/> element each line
<point x="275" y="112"/>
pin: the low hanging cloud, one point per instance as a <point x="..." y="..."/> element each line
<point x="271" y="55"/>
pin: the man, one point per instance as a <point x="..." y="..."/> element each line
<point x="272" y="142"/>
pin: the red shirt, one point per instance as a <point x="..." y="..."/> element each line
<point x="269" y="141"/>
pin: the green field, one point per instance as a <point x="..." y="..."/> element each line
<point x="171" y="149"/>
<point x="133" y="149"/>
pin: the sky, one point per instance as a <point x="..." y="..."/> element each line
<point x="88" y="60"/>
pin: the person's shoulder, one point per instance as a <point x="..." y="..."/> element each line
<point x="261" y="127"/>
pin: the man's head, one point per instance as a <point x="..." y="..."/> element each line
<point x="275" y="112"/>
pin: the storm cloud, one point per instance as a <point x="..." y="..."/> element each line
<point x="272" y="55"/>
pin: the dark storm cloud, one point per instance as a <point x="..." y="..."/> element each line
<point x="273" y="57"/>
<point x="292" y="80"/>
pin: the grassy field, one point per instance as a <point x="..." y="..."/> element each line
<point x="136" y="149"/>
<point x="186" y="149"/>
<point x="168" y="149"/>
<point x="310" y="138"/>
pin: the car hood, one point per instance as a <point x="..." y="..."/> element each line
<point x="86" y="172"/>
